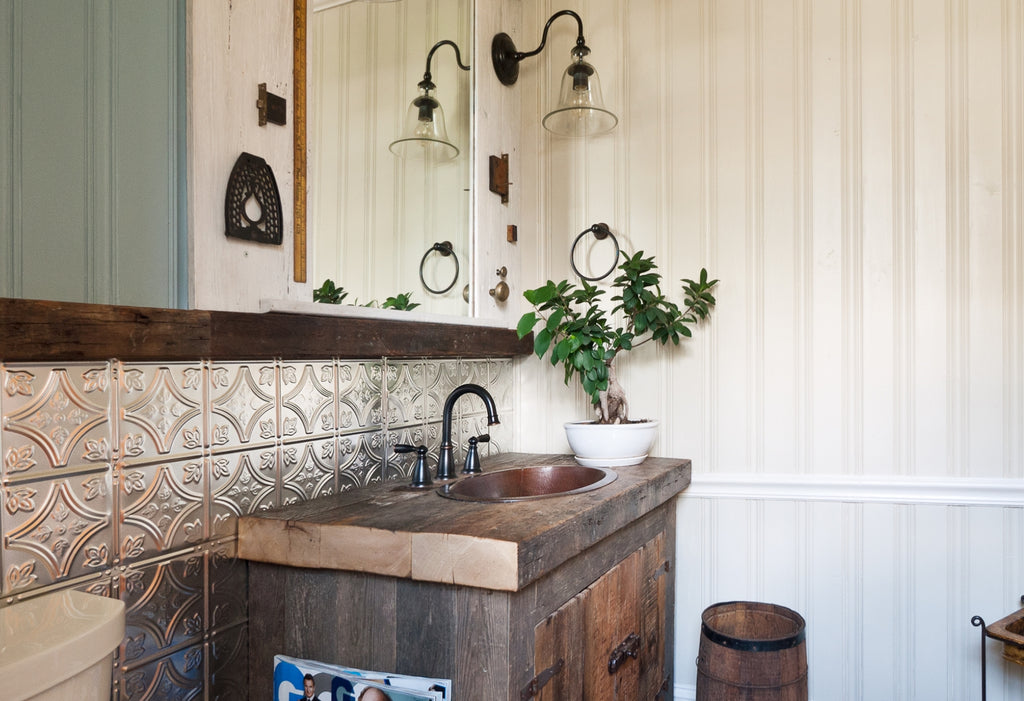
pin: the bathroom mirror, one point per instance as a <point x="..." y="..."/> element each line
<point x="376" y="224"/>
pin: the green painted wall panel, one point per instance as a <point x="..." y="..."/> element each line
<point x="93" y="193"/>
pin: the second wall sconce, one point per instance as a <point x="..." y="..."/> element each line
<point x="580" y="110"/>
<point x="425" y="133"/>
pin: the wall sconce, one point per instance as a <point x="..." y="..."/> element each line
<point x="425" y="134"/>
<point x="580" y="110"/>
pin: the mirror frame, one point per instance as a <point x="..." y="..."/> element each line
<point x="300" y="18"/>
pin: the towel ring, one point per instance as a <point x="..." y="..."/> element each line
<point x="445" y="249"/>
<point x="601" y="232"/>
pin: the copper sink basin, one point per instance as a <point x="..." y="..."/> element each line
<point x="522" y="483"/>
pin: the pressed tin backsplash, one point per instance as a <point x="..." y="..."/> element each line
<point x="126" y="480"/>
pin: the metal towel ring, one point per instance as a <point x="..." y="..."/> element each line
<point x="601" y="232"/>
<point x="445" y="249"/>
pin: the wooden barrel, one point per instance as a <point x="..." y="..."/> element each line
<point x="751" y="651"/>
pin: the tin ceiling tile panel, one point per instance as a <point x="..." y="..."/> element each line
<point x="56" y="529"/>
<point x="165" y="606"/>
<point x="309" y="470"/>
<point x="179" y="676"/>
<point x="242" y="483"/>
<point x="474" y="371"/>
<point x="160" y="411"/>
<point x="360" y="459"/>
<point x="501" y="383"/>
<point x="242" y="405"/>
<point x="162" y="507"/>
<point x="54" y="418"/>
<point x="228" y="601"/>
<point x="440" y="377"/>
<point x="404" y="394"/>
<point x="308" y="400"/>
<point x="359" y="396"/>
<point x="227" y="653"/>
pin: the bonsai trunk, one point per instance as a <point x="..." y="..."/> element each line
<point x="612" y="408"/>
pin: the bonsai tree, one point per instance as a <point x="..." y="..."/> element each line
<point x="575" y="331"/>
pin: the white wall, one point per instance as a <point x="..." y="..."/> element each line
<point x="852" y="170"/>
<point x="233" y="47"/>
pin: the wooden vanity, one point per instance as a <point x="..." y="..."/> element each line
<point x="566" y="597"/>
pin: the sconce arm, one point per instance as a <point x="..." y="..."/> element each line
<point x="427" y="81"/>
<point x="581" y="43"/>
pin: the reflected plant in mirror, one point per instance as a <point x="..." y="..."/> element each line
<point x="371" y="215"/>
<point x="330" y="293"/>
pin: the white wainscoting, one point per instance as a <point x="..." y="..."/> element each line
<point x="887" y="573"/>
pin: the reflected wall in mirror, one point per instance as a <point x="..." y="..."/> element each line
<point x="374" y="219"/>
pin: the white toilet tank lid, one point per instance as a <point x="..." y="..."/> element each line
<point x="50" y="638"/>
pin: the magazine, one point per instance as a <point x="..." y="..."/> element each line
<point x="294" y="678"/>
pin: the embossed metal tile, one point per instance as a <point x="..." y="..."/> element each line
<point x="180" y="675"/>
<point x="228" y="587"/>
<point x="359" y="396"/>
<point x="54" y="417"/>
<point x="360" y="459"/>
<point x="227" y="653"/>
<point x="162" y="507"/>
<point x="242" y="404"/>
<point x="307" y="400"/>
<point x="404" y="394"/>
<point x="309" y="470"/>
<point x="56" y="529"/>
<point x="165" y="606"/>
<point x="440" y="377"/>
<point x="501" y="382"/>
<point x="160" y="411"/>
<point x="242" y="483"/>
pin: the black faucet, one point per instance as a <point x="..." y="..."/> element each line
<point x="445" y="463"/>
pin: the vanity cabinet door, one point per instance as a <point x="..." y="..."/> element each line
<point x="608" y="642"/>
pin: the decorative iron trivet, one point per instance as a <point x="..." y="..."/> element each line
<point x="252" y="206"/>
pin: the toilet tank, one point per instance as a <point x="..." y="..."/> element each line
<point x="59" y="646"/>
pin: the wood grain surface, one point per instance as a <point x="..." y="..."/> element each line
<point x="390" y="529"/>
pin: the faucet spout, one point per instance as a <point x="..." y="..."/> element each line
<point x="445" y="463"/>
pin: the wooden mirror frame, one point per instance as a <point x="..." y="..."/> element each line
<point x="300" y="15"/>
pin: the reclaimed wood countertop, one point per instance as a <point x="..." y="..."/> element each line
<point x="391" y="529"/>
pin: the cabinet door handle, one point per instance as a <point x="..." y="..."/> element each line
<point x="627" y="648"/>
<point x="538" y="682"/>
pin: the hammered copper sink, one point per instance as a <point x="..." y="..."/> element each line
<point x="522" y="483"/>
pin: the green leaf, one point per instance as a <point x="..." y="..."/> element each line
<point x="541" y="342"/>
<point x="526" y="324"/>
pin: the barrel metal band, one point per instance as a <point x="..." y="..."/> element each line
<point x="753" y="645"/>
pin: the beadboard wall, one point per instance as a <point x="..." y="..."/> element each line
<point x="126" y="479"/>
<point x="373" y="216"/>
<point x="853" y="172"/>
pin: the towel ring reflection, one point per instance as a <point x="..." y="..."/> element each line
<point x="445" y="249"/>
<point x="601" y="232"/>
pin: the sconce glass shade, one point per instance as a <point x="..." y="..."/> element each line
<point x="424" y="134"/>
<point x="580" y="110"/>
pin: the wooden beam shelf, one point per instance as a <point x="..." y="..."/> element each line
<point x="47" y="331"/>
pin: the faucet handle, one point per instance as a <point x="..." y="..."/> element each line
<point x="420" y="473"/>
<point x="472" y="465"/>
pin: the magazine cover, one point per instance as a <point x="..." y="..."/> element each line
<point x="302" y="680"/>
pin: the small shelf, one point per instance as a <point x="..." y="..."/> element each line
<point x="47" y="331"/>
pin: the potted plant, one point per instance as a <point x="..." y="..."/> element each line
<point x="574" y="330"/>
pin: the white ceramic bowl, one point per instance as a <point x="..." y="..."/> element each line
<point x="610" y="445"/>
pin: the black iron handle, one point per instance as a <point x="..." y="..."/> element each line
<point x="538" y="682"/>
<point x="420" y="472"/>
<point x="627" y="648"/>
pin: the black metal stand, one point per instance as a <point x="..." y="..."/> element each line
<point x="979" y="621"/>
